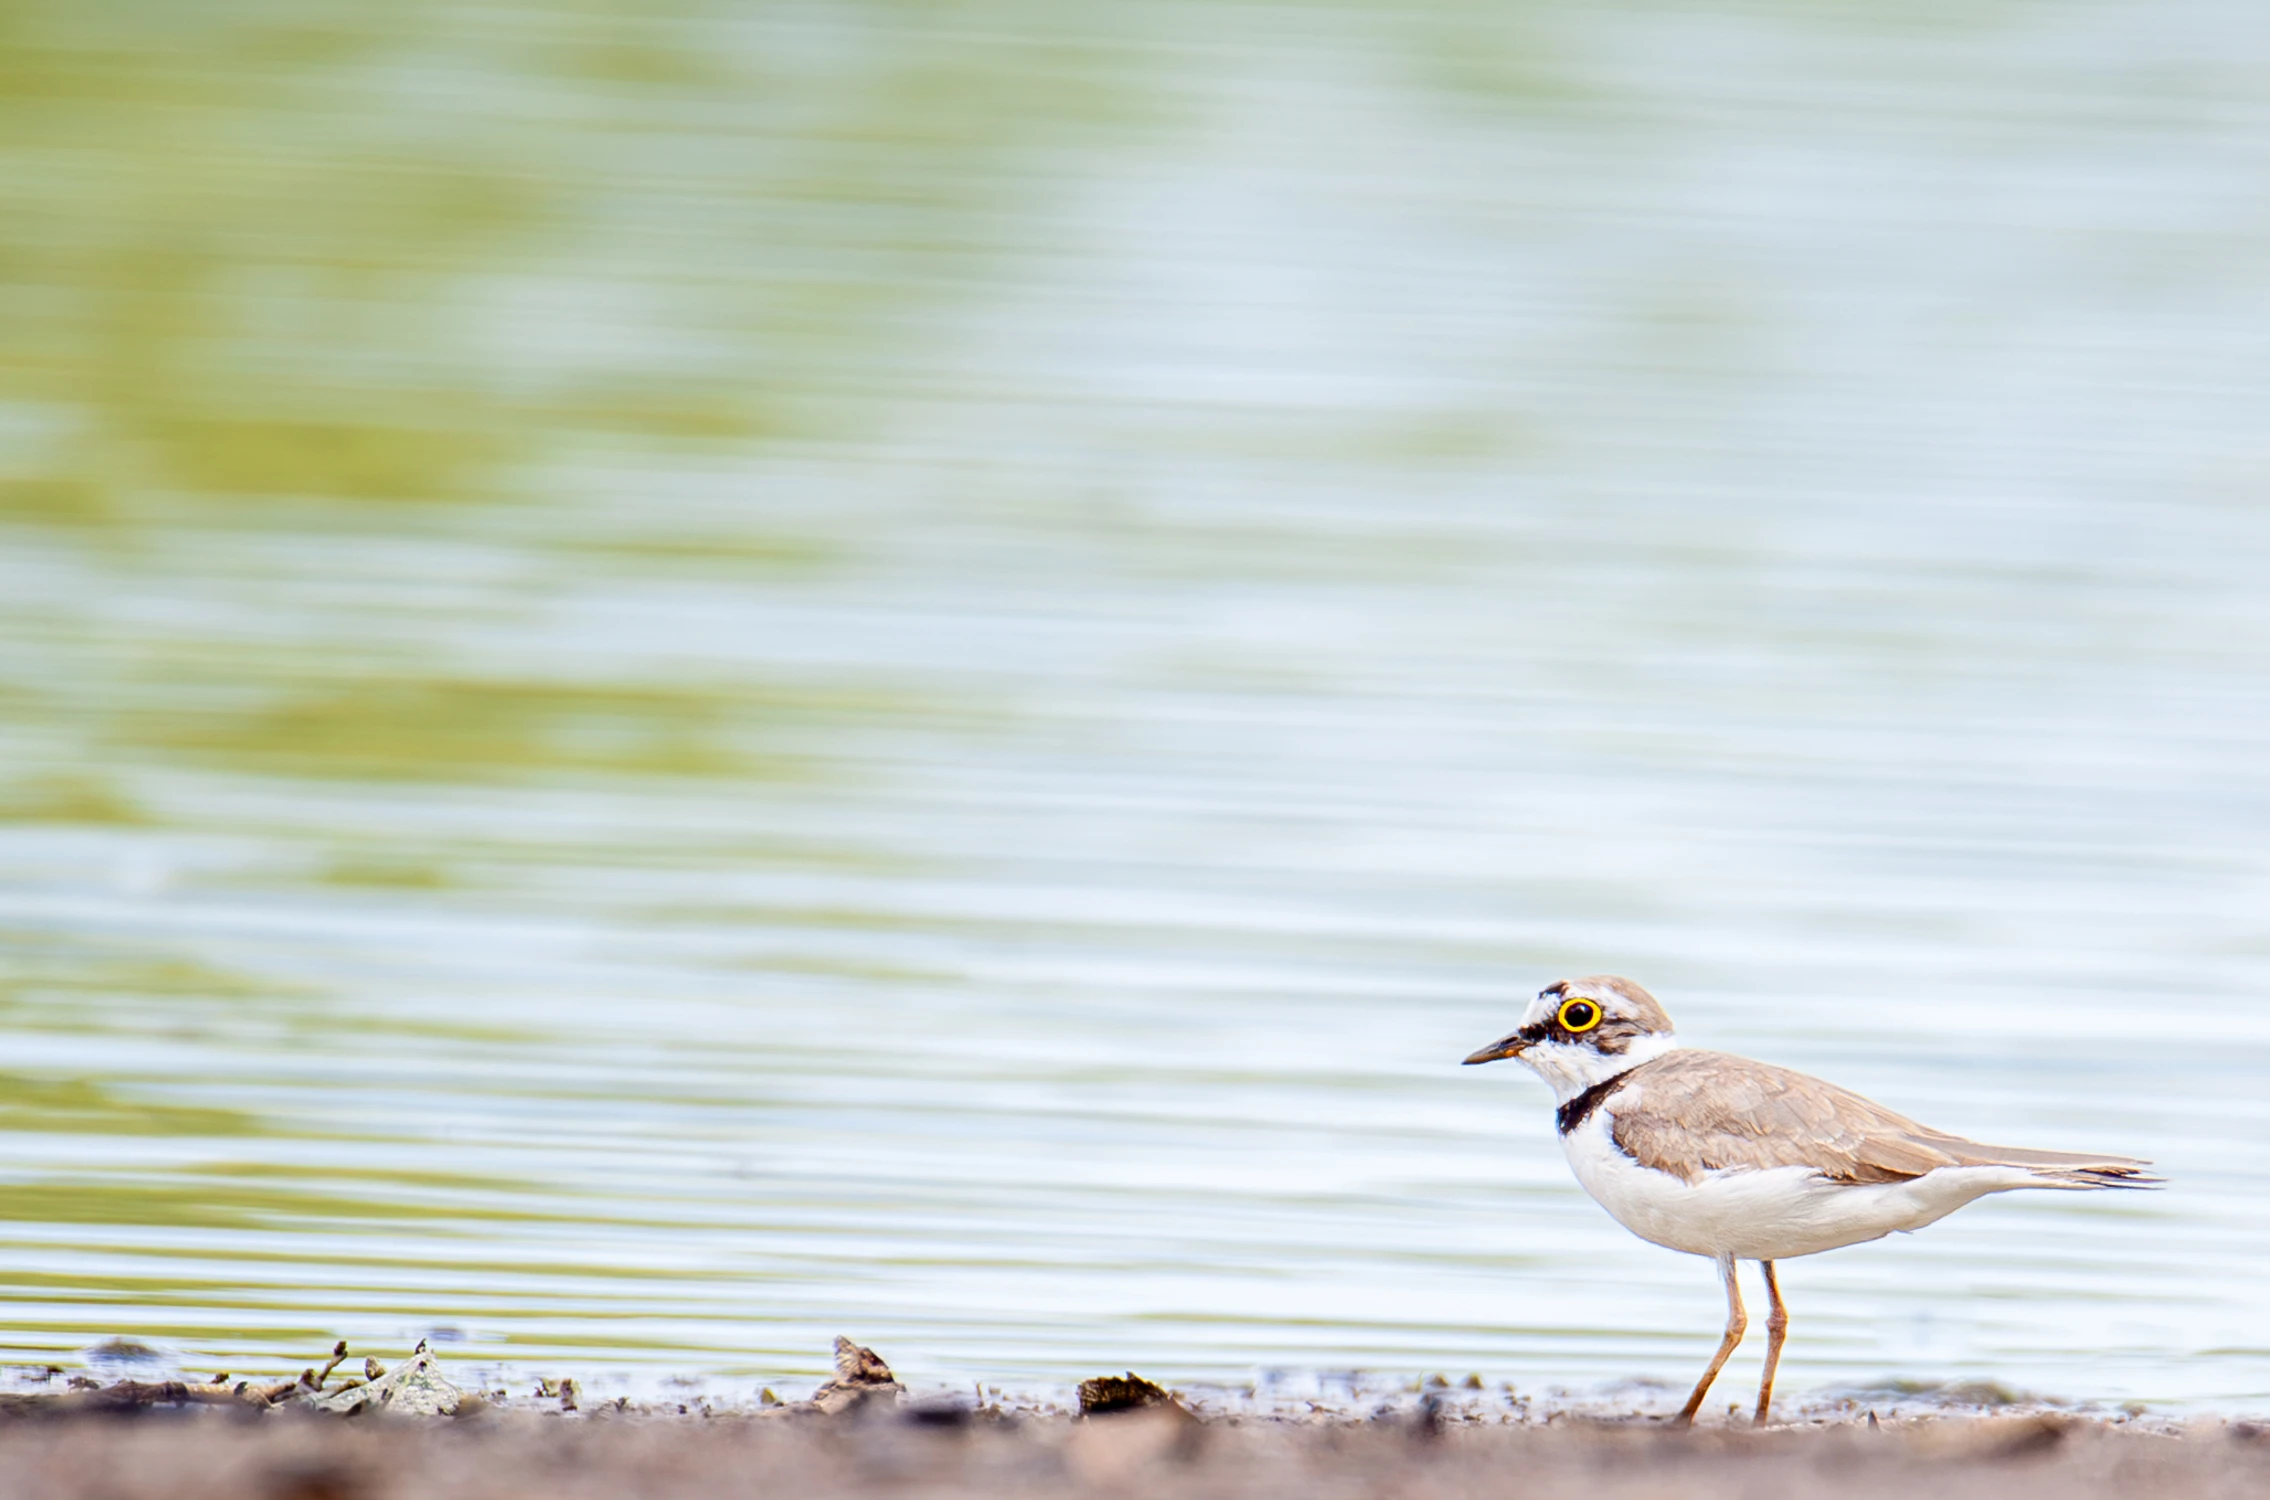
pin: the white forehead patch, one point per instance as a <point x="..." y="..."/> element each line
<point x="1548" y="1003"/>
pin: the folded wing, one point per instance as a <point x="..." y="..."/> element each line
<point x="1691" y="1112"/>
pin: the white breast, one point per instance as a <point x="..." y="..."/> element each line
<point x="1769" y="1214"/>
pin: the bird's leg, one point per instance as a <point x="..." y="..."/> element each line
<point x="1736" y="1323"/>
<point x="1777" y="1329"/>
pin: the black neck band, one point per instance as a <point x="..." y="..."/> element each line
<point x="1579" y="1109"/>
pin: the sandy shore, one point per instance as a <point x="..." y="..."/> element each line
<point x="194" y="1453"/>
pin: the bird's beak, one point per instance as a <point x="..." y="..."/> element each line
<point x="1505" y="1046"/>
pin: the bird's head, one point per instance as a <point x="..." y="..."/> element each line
<point x="1578" y="1032"/>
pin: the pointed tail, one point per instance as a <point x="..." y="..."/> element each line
<point x="2055" y="1169"/>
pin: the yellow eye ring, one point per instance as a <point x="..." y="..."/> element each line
<point x="1579" y="1014"/>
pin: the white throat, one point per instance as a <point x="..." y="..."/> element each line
<point x="1571" y="1069"/>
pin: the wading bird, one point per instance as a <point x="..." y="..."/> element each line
<point x="1738" y="1160"/>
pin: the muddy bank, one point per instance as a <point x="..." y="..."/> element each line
<point x="348" y="1431"/>
<point x="196" y="1453"/>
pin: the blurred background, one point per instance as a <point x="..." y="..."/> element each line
<point x="679" y="678"/>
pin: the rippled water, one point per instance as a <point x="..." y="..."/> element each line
<point x="673" y="682"/>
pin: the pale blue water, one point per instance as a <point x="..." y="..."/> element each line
<point x="669" y="686"/>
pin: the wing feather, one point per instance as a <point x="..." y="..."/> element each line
<point x="1692" y="1112"/>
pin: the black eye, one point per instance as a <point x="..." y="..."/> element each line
<point x="1579" y="1015"/>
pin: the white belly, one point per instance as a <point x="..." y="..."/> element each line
<point x="1772" y="1214"/>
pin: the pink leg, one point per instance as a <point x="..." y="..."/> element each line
<point x="1737" y="1322"/>
<point x="1777" y="1329"/>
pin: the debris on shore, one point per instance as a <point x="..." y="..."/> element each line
<point x="417" y="1387"/>
<point x="862" y="1383"/>
<point x="866" y="1389"/>
<point x="1116" y="1393"/>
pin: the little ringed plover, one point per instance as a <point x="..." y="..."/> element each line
<point x="1717" y="1155"/>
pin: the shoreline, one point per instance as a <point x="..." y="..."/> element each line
<point x="367" y="1431"/>
<point x="125" y="1374"/>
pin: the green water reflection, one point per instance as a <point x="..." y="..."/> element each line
<point x="398" y="257"/>
<point x="82" y="1106"/>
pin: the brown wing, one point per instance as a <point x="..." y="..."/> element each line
<point x="1691" y="1112"/>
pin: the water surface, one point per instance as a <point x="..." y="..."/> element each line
<point x="674" y="681"/>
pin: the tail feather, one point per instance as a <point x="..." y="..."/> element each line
<point x="2061" y="1169"/>
<point x="2101" y="1177"/>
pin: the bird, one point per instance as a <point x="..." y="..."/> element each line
<point x="1720" y="1156"/>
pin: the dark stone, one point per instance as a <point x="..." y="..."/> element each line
<point x="1131" y="1392"/>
